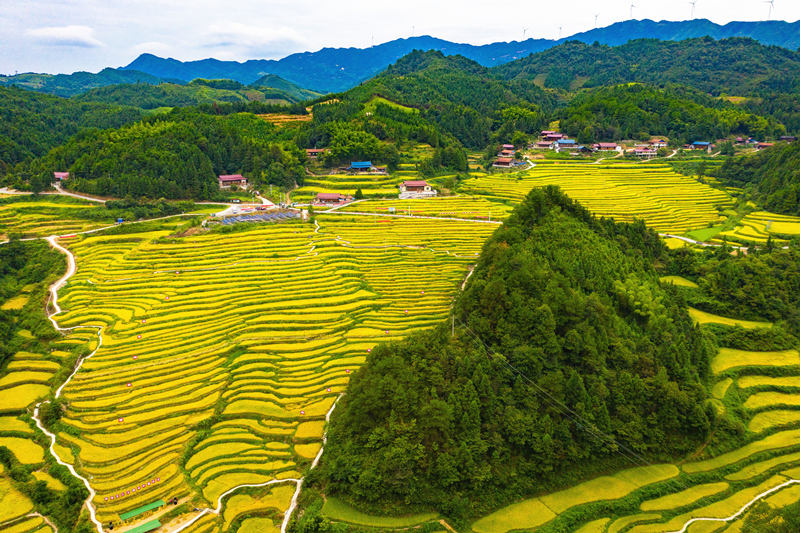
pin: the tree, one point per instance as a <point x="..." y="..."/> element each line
<point x="359" y="194"/>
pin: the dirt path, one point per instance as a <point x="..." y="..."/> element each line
<point x="71" y="268"/>
<point x="76" y="195"/>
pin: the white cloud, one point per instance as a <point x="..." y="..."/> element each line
<point x="236" y="40"/>
<point x="79" y="36"/>
<point x="152" y="47"/>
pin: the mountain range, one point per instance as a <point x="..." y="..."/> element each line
<point x="338" y="69"/>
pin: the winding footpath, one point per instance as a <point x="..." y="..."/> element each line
<point x="71" y="268"/>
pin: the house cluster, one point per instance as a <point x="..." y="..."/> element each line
<point x="647" y="150"/>
<point x="505" y="157"/>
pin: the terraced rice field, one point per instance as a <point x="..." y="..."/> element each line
<point x="46" y="215"/>
<point x="758" y="226"/>
<point x="667" y="201"/>
<point x="472" y="207"/>
<point x="222" y="353"/>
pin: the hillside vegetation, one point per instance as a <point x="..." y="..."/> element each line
<point x="564" y="341"/>
<point x="31" y="124"/>
<point x="771" y="176"/>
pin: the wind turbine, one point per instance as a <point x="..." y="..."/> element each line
<point x="595" y="19"/>
<point x="559" y="33"/>
<point x="524" y="31"/>
<point x="771" y="7"/>
<point x="632" y="6"/>
<point x="693" y="2"/>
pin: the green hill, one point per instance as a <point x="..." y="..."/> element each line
<point x="636" y="111"/>
<point x="737" y="66"/>
<point x="31" y="123"/>
<point x="78" y="82"/>
<point x="279" y="85"/>
<point x="568" y="359"/>
<point x="771" y="176"/>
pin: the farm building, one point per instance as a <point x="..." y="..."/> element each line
<point x="788" y="138"/>
<point x="506" y="153"/>
<point x="658" y="143"/>
<point x="314" y="153"/>
<point x="503" y="162"/>
<point x="226" y="181"/>
<point x="508" y="147"/>
<point x="416" y="189"/>
<point x="544" y="145"/>
<point x="762" y="146"/>
<point x="332" y="198"/>
<point x="566" y="144"/>
<point x="61" y="176"/>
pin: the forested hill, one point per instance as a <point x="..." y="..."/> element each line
<point x="269" y="89"/>
<point x="736" y="66"/>
<point x="771" y="176"/>
<point x="31" y="123"/>
<point x="563" y="311"/>
<point x="636" y="111"/>
<point x="77" y="82"/>
<point x="458" y="95"/>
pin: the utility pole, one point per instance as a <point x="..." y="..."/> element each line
<point x="453" y="330"/>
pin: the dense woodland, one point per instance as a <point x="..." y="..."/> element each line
<point x="772" y="177"/>
<point x="635" y="111"/>
<point x="568" y="357"/>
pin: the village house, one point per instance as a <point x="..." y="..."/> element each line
<point x="226" y="181"/>
<point x="508" y="147"/>
<point x="788" y="138"/>
<point x="313" y="153"/>
<point x="658" y="143"/>
<point x="701" y="145"/>
<point x="416" y="189"/>
<point x="645" y="153"/>
<point x="365" y="166"/>
<point x="606" y="147"/>
<point x="553" y="137"/>
<point x="566" y="144"/>
<point x="544" y="145"/>
<point x="506" y="153"/>
<point x="503" y="162"/>
<point x="332" y="198"/>
<point x="762" y="146"/>
<point x="61" y="176"/>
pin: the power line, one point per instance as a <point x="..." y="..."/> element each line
<point x="580" y="421"/>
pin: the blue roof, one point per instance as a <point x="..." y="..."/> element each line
<point x="361" y="164"/>
<point x="566" y="141"/>
<point x="701" y="143"/>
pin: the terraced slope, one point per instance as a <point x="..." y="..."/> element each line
<point x="222" y="352"/>
<point x="667" y="201"/>
<point x="759" y="226"/>
<point x="36" y="217"/>
<point x="472" y="207"/>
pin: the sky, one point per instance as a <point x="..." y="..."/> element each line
<point x="62" y="36"/>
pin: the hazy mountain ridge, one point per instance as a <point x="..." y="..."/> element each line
<point x="337" y="69"/>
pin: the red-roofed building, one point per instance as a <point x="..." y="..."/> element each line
<point x="313" y="153"/>
<point x="506" y="153"/>
<point x="503" y="162"/>
<point x="658" y="143"/>
<point x="761" y="146"/>
<point x="61" y="176"/>
<point x="606" y="147"/>
<point x="332" y="198"/>
<point x="508" y="147"/>
<point x="547" y="145"/>
<point x="553" y="137"/>
<point x="416" y="189"/>
<point x="226" y="181"/>
<point x="645" y="153"/>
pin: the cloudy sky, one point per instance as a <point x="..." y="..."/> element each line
<point x="69" y="35"/>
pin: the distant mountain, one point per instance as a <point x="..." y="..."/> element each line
<point x="338" y="69"/>
<point x="736" y="66"/>
<point x="71" y="84"/>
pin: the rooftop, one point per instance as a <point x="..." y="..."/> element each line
<point x="231" y="177"/>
